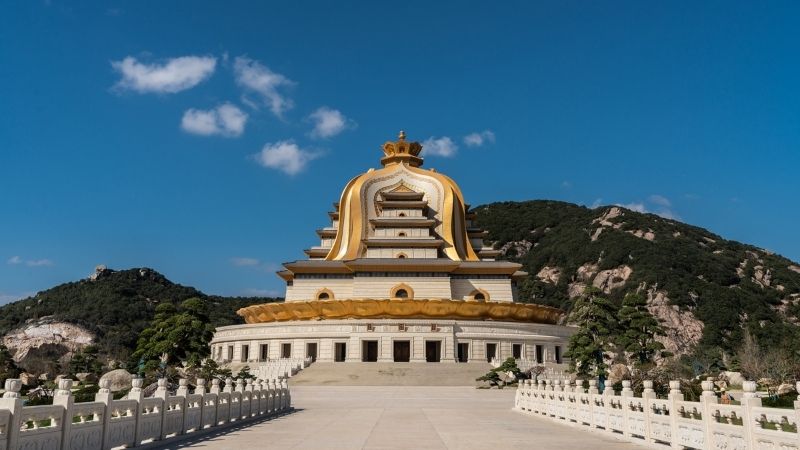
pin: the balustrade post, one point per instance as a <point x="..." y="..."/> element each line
<point x="648" y="394"/>
<point x="749" y="401"/>
<point x="161" y="392"/>
<point x="12" y="402"/>
<point x="674" y="397"/>
<point x="183" y="388"/>
<point x="200" y="388"/>
<point x="63" y="397"/>
<point x="797" y="409"/>
<point x="287" y="394"/>
<point x="215" y="389"/>
<point x="105" y="397"/>
<point x="608" y="397"/>
<point x="625" y="396"/>
<point x="593" y="392"/>
<point x="707" y="400"/>
<point x="228" y="385"/>
<point x="273" y="396"/>
<point x="249" y="389"/>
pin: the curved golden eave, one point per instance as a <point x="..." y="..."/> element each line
<point x="394" y="308"/>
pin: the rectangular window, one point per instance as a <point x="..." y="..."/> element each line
<point x="516" y="351"/>
<point x="558" y="354"/>
<point x="245" y="353"/>
<point x="434" y="327"/>
<point x="230" y="353"/>
<point x="402" y="327"/>
<point x="370" y="327"/>
<point x="539" y="354"/>
<point x="286" y="350"/>
<point x="264" y="353"/>
<point x="491" y="352"/>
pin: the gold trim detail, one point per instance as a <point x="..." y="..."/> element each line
<point x="407" y="288"/>
<point x="400" y="309"/>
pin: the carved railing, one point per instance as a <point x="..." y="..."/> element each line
<point x="135" y="421"/>
<point x="671" y="422"/>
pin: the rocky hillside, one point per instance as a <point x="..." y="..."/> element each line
<point x="702" y="287"/>
<point x="108" y="309"/>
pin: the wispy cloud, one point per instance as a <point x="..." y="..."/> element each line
<point x="16" y="260"/>
<point x="254" y="292"/>
<point x="478" y="139"/>
<point x="656" y="204"/>
<point x="244" y="261"/>
<point x="8" y="298"/>
<point x="329" y="122"/>
<point x="285" y="156"/>
<point x="224" y="120"/>
<point x="566" y="184"/>
<point x="597" y="202"/>
<point x="258" y="78"/>
<point x="443" y="146"/>
<point x="174" y="75"/>
<point x="659" y="200"/>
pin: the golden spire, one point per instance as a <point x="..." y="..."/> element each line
<point x="402" y="151"/>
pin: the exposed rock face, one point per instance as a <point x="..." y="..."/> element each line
<point x="120" y="379"/>
<point x="607" y="280"/>
<point x="682" y="329"/>
<point x="44" y="332"/>
<point x="605" y="219"/>
<point x="549" y="274"/>
<point x="646" y="235"/>
<point x="576" y="289"/>
<point x="586" y="272"/>
<point x="762" y="277"/>
<point x="520" y="248"/>
<point x="794" y="268"/>
<point x="618" y="372"/>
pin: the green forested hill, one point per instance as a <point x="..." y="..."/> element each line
<point x="725" y="284"/>
<point x="115" y="306"/>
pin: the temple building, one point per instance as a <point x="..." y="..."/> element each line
<point x="401" y="274"/>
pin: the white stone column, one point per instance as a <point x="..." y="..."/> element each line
<point x="674" y="396"/>
<point x="105" y="397"/>
<point x="749" y="401"/>
<point x="12" y="402"/>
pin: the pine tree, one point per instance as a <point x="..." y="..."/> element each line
<point x="176" y="335"/>
<point x="638" y="332"/>
<point x="8" y="368"/>
<point x="596" y="318"/>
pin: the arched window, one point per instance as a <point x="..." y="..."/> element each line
<point x="403" y="291"/>
<point x="402" y="214"/>
<point x="324" y="294"/>
<point x="401" y="234"/>
<point x="402" y="255"/>
<point x="478" y="295"/>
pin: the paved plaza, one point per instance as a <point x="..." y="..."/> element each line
<point x="405" y="417"/>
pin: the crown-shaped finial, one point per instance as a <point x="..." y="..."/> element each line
<point x="402" y="151"/>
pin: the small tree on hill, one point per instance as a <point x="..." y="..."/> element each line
<point x="85" y="361"/>
<point x="8" y="368"/>
<point x="638" y="332"/>
<point x="176" y="335"/>
<point x="596" y="318"/>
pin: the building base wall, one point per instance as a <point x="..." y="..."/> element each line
<point x="388" y="340"/>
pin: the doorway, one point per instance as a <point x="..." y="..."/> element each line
<point x="339" y="352"/>
<point x="516" y="351"/>
<point x="311" y="351"/>
<point x="369" y="351"/>
<point x="286" y="350"/>
<point x="463" y="352"/>
<point x="402" y="351"/>
<point x="433" y="351"/>
<point x="491" y="352"/>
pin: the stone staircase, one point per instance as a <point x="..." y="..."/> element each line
<point x="391" y="374"/>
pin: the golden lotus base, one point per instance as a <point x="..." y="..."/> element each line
<point x="400" y="309"/>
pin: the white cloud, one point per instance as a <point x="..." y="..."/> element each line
<point x="224" y="120"/>
<point x="329" y="122"/>
<point x="257" y="77"/>
<point x="15" y="260"/>
<point x="39" y="263"/>
<point x="478" y="139"/>
<point x="175" y="75"/>
<point x="596" y="203"/>
<point x="443" y="146"/>
<point x="635" y="206"/>
<point x="659" y="200"/>
<point x="244" y="261"/>
<point x="285" y="156"/>
<point x="566" y="184"/>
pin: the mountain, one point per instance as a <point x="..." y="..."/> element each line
<point x="704" y="289"/>
<point x="109" y="309"/>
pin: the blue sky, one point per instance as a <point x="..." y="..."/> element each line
<point x="208" y="140"/>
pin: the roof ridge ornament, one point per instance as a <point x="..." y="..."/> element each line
<point x="402" y="151"/>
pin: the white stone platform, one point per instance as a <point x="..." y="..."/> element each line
<point x="404" y="417"/>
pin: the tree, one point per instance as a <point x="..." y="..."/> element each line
<point x="638" y="332"/>
<point x="597" y="324"/>
<point x="493" y="376"/>
<point x="210" y="370"/>
<point x="244" y="374"/>
<point x="176" y="335"/>
<point x="8" y="367"/>
<point x="751" y="358"/>
<point x="85" y="361"/>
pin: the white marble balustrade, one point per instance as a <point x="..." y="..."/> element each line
<point x="669" y="423"/>
<point x="107" y="423"/>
